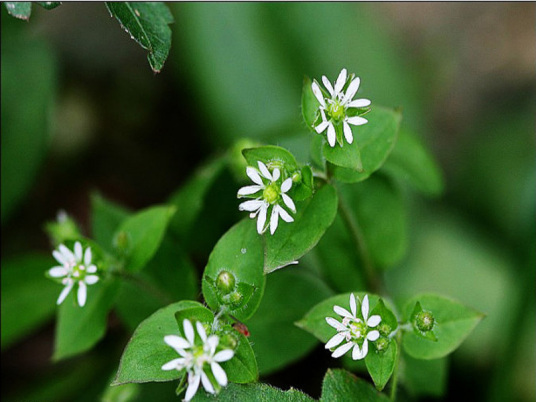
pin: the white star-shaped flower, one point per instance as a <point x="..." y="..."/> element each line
<point x="75" y="269"/>
<point x="197" y="357"/>
<point x="355" y="330"/>
<point x="269" y="193"/>
<point x="333" y="109"/>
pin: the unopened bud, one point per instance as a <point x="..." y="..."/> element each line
<point x="225" y="282"/>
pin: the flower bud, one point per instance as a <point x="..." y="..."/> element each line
<point x="385" y="329"/>
<point x="381" y="344"/>
<point x="424" y="321"/>
<point x="296" y="176"/>
<point x="225" y="282"/>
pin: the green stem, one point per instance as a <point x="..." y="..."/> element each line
<point x="144" y="285"/>
<point x="374" y="281"/>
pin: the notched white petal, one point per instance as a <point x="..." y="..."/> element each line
<point x="206" y="383"/>
<point x="224" y="355"/>
<point x="342" y="312"/>
<point x="373" y="336"/>
<point x="251" y="205"/>
<point x="288" y="202"/>
<point x="58" y="272"/>
<point x="342" y="349"/>
<point x="332" y="322"/>
<point x="254" y="175"/>
<point x="348" y="133"/>
<point x="287" y="185"/>
<point x="359" y="103"/>
<point x="341" y="80"/>
<point x="91" y="279"/>
<point x="332" y="136"/>
<point x="188" y="331"/>
<point x="335" y="340"/>
<point x="219" y="374"/>
<point x="264" y="171"/>
<point x="318" y="93"/>
<point x="176" y="342"/>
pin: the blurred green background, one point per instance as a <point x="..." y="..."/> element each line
<point x="83" y="112"/>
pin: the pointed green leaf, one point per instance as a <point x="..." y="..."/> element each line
<point x="293" y="240"/>
<point x="271" y="156"/>
<point x="106" y="216"/>
<point x="19" y="9"/>
<point x="49" y="5"/>
<point x="381" y="364"/>
<point x="412" y="162"/>
<point x="309" y="104"/>
<point x="240" y="253"/>
<point x="340" y="385"/>
<point x="242" y="368"/>
<point x="425" y="377"/>
<point x="373" y="143"/>
<point x="146" y="23"/>
<point x="144" y="232"/>
<point x="80" y="328"/>
<point x="146" y="351"/>
<point x="254" y="392"/>
<point x="453" y="323"/>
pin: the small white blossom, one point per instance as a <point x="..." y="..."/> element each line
<point x="198" y="357"/>
<point x="269" y="194"/>
<point x="355" y="330"/>
<point x="75" y="269"/>
<point x="334" y="108"/>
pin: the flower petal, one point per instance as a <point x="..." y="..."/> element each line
<point x="373" y="335"/>
<point x="59" y="257"/>
<point x="254" y="175"/>
<point x="206" y="383"/>
<point x="318" y="93"/>
<point x="331" y="135"/>
<point x="348" y="133"/>
<point x="365" y="308"/>
<point x="87" y="256"/>
<point x="212" y="343"/>
<point x="343" y="312"/>
<point x="332" y="322"/>
<point x="224" y="355"/>
<point x="374" y="321"/>
<point x="193" y="385"/>
<point x="174" y="364"/>
<point x="201" y="331"/>
<point x="357" y="353"/>
<point x="188" y="331"/>
<point x="327" y="84"/>
<point x="58" y="272"/>
<point x="353" y="306"/>
<point x="91" y="279"/>
<point x="284" y="214"/>
<point x="177" y="342"/>
<point x="251" y="205"/>
<point x="219" y="374"/>
<point x="91" y="269"/>
<point x="359" y="103"/>
<point x="364" y="348"/>
<point x="351" y="91"/>
<point x="274" y="218"/>
<point x="357" y="121"/>
<point x="335" y="340"/>
<point x="78" y="251"/>
<point x="261" y="220"/>
<point x="264" y="171"/>
<point x="276" y="174"/>
<point x="248" y="190"/>
<point x="341" y="80"/>
<point x="287" y="185"/>
<point x="288" y="202"/>
<point x="65" y="292"/>
<point x="342" y="349"/>
<point x="82" y="293"/>
<point x="67" y="254"/>
<point x="321" y="127"/>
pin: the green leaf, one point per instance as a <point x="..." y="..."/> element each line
<point x="288" y="296"/>
<point x="380" y="210"/>
<point x="171" y="276"/>
<point x="293" y="240"/>
<point x="373" y="143"/>
<point x="189" y="199"/>
<point x="49" y="5"/>
<point x="23" y="283"/>
<point x="146" y="23"/>
<point x="28" y="89"/>
<point x="242" y="368"/>
<point x="340" y="385"/>
<point x="240" y="253"/>
<point x="80" y="328"/>
<point x="309" y="104"/>
<point x="144" y="233"/>
<point x="425" y="377"/>
<point x="254" y="392"/>
<point x="146" y="351"/>
<point x="19" y="9"/>
<point x="106" y="216"/>
<point x="381" y="364"/>
<point x="454" y="322"/>
<point x="315" y="319"/>
<point x="122" y="393"/>
<point x="412" y="162"/>
<point x="272" y="156"/>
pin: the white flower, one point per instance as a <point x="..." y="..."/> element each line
<point x="75" y="269"/>
<point x="333" y="109"/>
<point x="196" y="358"/>
<point x="269" y="195"/>
<point x="356" y="331"/>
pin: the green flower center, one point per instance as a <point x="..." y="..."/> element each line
<point x="336" y="110"/>
<point x="271" y="193"/>
<point x="358" y="329"/>
<point x="79" y="272"/>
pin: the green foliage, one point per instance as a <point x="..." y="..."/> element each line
<point x="288" y="296"/>
<point x="291" y="241"/>
<point x="23" y="283"/>
<point x="19" y="9"/>
<point x="254" y="392"/>
<point x="146" y="23"/>
<point x="80" y="328"/>
<point x="106" y="217"/>
<point x="239" y="252"/>
<point x="425" y="377"/>
<point x="242" y="368"/>
<point x="341" y="385"/>
<point x="454" y="322"/>
<point x="143" y="233"/>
